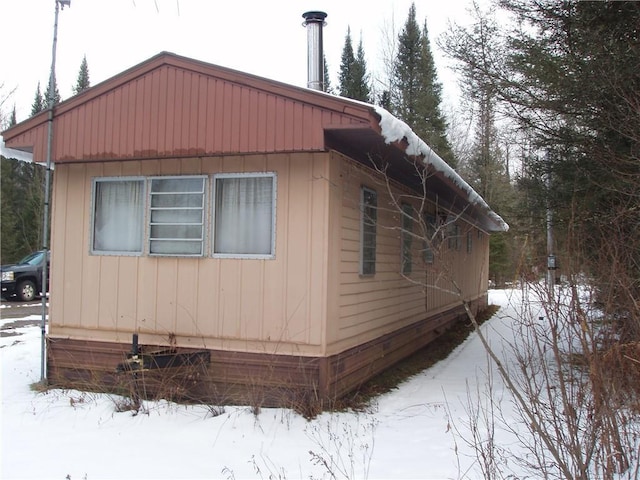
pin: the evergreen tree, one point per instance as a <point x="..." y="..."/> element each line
<point x="21" y="208"/>
<point x="326" y="87"/>
<point x="485" y="165"/>
<point x="56" y="95"/>
<point x="12" y="118"/>
<point x="354" y="79"/>
<point x="415" y="90"/>
<point x="82" y="83"/>
<point x="9" y="242"/>
<point x="385" y="100"/>
<point x="361" y="76"/>
<point x="38" y="103"/>
<point x="568" y="75"/>
<point x="346" y="65"/>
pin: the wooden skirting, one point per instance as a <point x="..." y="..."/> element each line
<point x="267" y="380"/>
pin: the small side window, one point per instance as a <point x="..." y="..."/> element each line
<point x="368" y="223"/>
<point x="453" y="234"/>
<point x="431" y="240"/>
<point x="407" y="237"/>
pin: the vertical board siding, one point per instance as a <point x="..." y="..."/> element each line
<point x="274" y="306"/>
<point x="298" y="239"/>
<point x="171" y="111"/>
<point x="72" y="206"/>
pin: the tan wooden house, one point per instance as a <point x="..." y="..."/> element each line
<point x="208" y="210"/>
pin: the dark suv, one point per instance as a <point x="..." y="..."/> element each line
<point x="24" y="279"/>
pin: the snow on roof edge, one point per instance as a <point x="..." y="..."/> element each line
<point x="13" y="153"/>
<point x="394" y="129"/>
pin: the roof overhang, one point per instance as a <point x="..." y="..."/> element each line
<point x="368" y="147"/>
<point x="26" y="154"/>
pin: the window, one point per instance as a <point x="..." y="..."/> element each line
<point x="368" y="221"/>
<point x="243" y="218"/>
<point x="469" y="242"/>
<point x="453" y="232"/>
<point x="407" y="237"/>
<point x="118" y="216"/>
<point x="244" y="222"/>
<point x="431" y="241"/>
<point x="176" y="216"/>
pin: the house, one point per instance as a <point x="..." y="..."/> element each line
<point x="271" y="229"/>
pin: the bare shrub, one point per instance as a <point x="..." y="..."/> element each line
<point x="344" y="451"/>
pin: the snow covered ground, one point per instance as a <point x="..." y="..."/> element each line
<point x="420" y="430"/>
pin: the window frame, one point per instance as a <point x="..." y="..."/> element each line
<point x="150" y="208"/>
<point x="274" y="198"/>
<point x="432" y="240"/>
<point x="406" y="239"/>
<point x="141" y="216"/>
<point x="367" y="266"/>
<point x="453" y="235"/>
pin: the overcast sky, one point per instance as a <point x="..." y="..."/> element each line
<point x="262" y="38"/>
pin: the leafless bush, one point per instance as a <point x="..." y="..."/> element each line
<point x="576" y="426"/>
<point x="264" y="466"/>
<point x="565" y="395"/>
<point x="344" y="451"/>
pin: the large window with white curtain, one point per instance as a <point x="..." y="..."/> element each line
<point x="118" y="216"/>
<point x="176" y="215"/>
<point x="244" y="215"/>
<point x="169" y="215"/>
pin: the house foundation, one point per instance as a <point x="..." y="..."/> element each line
<point x="241" y="378"/>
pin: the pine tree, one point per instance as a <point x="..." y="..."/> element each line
<point x="56" y="95"/>
<point x="568" y="76"/>
<point x="485" y="165"/>
<point x="361" y="76"/>
<point x="12" y="118"/>
<point x="353" y="72"/>
<point x="38" y="102"/>
<point x="326" y="87"/>
<point x="82" y="83"/>
<point x="385" y="100"/>
<point x="21" y="208"/>
<point x="9" y="242"/>
<point x="415" y="90"/>
<point x="346" y="64"/>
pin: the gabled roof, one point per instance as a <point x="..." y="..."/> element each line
<point x="171" y="106"/>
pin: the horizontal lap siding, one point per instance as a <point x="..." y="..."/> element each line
<point x="270" y="306"/>
<point x="370" y="306"/>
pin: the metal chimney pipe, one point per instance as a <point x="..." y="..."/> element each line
<point x="314" y="21"/>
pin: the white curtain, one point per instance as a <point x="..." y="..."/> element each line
<point x="244" y="215"/>
<point x="117" y="224"/>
